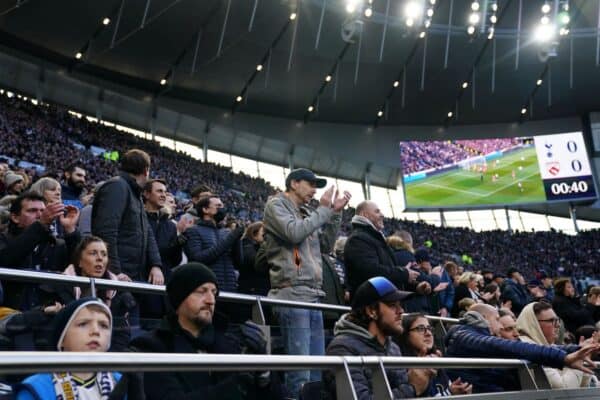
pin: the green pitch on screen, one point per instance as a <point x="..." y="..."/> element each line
<point x="466" y="187"/>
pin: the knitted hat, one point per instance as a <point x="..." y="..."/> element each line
<point x="185" y="279"/>
<point x="11" y="178"/>
<point x="62" y="320"/>
<point x="377" y="289"/>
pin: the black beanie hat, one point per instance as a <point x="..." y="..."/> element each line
<point x="63" y="319"/>
<point x="185" y="279"/>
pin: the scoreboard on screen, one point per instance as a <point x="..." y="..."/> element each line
<point x="565" y="167"/>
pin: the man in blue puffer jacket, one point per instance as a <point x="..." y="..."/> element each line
<point x="210" y="244"/>
<point x="474" y="337"/>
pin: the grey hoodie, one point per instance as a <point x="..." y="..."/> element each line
<point x="354" y="340"/>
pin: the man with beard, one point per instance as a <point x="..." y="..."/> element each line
<point x="74" y="185"/>
<point x="367" y="330"/>
<point x="215" y="246"/>
<point x="194" y="327"/>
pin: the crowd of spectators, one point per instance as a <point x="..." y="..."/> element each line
<point x="419" y="155"/>
<point x="64" y="209"/>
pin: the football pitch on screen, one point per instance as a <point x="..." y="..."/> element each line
<point x="466" y="186"/>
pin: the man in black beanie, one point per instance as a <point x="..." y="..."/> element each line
<point x="193" y="327"/>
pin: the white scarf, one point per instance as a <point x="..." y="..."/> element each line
<point x="65" y="389"/>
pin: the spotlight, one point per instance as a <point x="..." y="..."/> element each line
<point x="396" y="83"/>
<point x="259" y="67"/>
<point x="564" y="18"/>
<point x="380" y="113"/>
<point x="413" y="9"/>
<point x="546" y="8"/>
<point x="427" y="24"/>
<point x="471" y="30"/>
<point x="368" y="12"/>
<point x="523" y="111"/>
<point x="563" y="31"/>
<point x="328" y="78"/>
<point x="106" y="21"/>
<point x="539" y="82"/>
<point x="353" y="5"/>
<point x="495" y="7"/>
<point x="410" y="22"/>
<point x="465" y="85"/>
<point x="163" y="82"/>
<point x="78" y="55"/>
<point x="238" y="99"/>
<point x="311" y="108"/>
<point x="422" y="34"/>
<point x="293" y="16"/>
<point x="432" y="2"/>
<point x="493" y="19"/>
<point x="430" y="12"/>
<point x="544" y="33"/>
<point x="545" y="20"/>
<point x="491" y="33"/>
<point x="474" y="18"/>
<point x="450" y="114"/>
<point x="475" y="6"/>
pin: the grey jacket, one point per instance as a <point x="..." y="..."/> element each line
<point x="353" y="340"/>
<point x="293" y="247"/>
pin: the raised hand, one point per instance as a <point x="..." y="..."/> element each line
<point x="339" y="202"/>
<point x="581" y="357"/>
<point x="51" y="212"/>
<point x="69" y="218"/>
<point x="325" y="199"/>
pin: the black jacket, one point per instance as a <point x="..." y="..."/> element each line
<point x="570" y="310"/>
<point x="32" y="248"/>
<point x="252" y="281"/>
<point x="170" y="245"/>
<point x="169" y="337"/>
<point x="119" y="218"/>
<point x="367" y="255"/>
<point x="216" y="247"/>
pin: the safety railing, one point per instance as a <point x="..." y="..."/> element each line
<point x="138" y="287"/>
<point x="31" y="362"/>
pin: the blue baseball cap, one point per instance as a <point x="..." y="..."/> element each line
<point x="377" y="289"/>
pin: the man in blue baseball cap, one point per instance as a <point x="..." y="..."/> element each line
<point x="367" y="330"/>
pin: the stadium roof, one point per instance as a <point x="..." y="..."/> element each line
<point x="208" y="53"/>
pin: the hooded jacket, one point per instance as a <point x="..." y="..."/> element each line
<point x="367" y="254"/>
<point x="530" y="332"/>
<point x="353" y="340"/>
<point x="294" y="239"/>
<point x="472" y="338"/>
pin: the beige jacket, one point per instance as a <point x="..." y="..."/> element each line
<point x="530" y="331"/>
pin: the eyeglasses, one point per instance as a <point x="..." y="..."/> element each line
<point x="422" y="329"/>
<point x="553" y="321"/>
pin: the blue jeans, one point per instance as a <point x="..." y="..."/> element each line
<point x="302" y="334"/>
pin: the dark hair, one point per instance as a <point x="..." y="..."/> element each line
<point x="560" y="284"/>
<point x="204" y="202"/>
<point x="360" y="316"/>
<point x="586" y="331"/>
<point x="17" y="204"/>
<point x="540" y="306"/>
<point x="490" y="288"/>
<point x="83" y="244"/>
<point x="402" y="340"/>
<point x="503" y="313"/>
<point x="449" y="265"/>
<point x="150" y="182"/>
<point x="71" y="167"/>
<point x="202" y="188"/>
<point x="253" y="229"/>
<point x="135" y="162"/>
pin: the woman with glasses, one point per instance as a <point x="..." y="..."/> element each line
<point x="539" y="324"/>
<point x="417" y="340"/>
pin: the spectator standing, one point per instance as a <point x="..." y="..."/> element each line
<point x="592" y="302"/>
<point x="446" y="296"/>
<point x="252" y="281"/>
<point x="296" y="237"/>
<point x="74" y="185"/>
<point x="209" y="243"/>
<point x="568" y="307"/>
<point x="515" y="290"/>
<point x="119" y="218"/>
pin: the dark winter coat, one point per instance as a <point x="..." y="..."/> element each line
<point x="517" y="294"/>
<point x="366" y="255"/>
<point x="169" y="337"/>
<point x="170" y="245"/>
<point x="353" y="340"/>
<point x="32" y="248"/>
<point x="573" y="314"/>
<point x="252" y="281"/>
<point x="472" y="338"/>
<point x="216" y="248"/>
<point x="119" y="218"/>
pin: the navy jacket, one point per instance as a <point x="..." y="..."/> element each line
<point x="169" y="244"/>
<point x="517" y="294"/>
<point x="472" y="339"/>
<point x="215" y="247"/>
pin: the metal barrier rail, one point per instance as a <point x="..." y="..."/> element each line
<point x="31" y="362"/>
<point x="139" y="287"/>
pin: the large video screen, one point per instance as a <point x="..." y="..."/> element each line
<point x="476" y="173"/>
